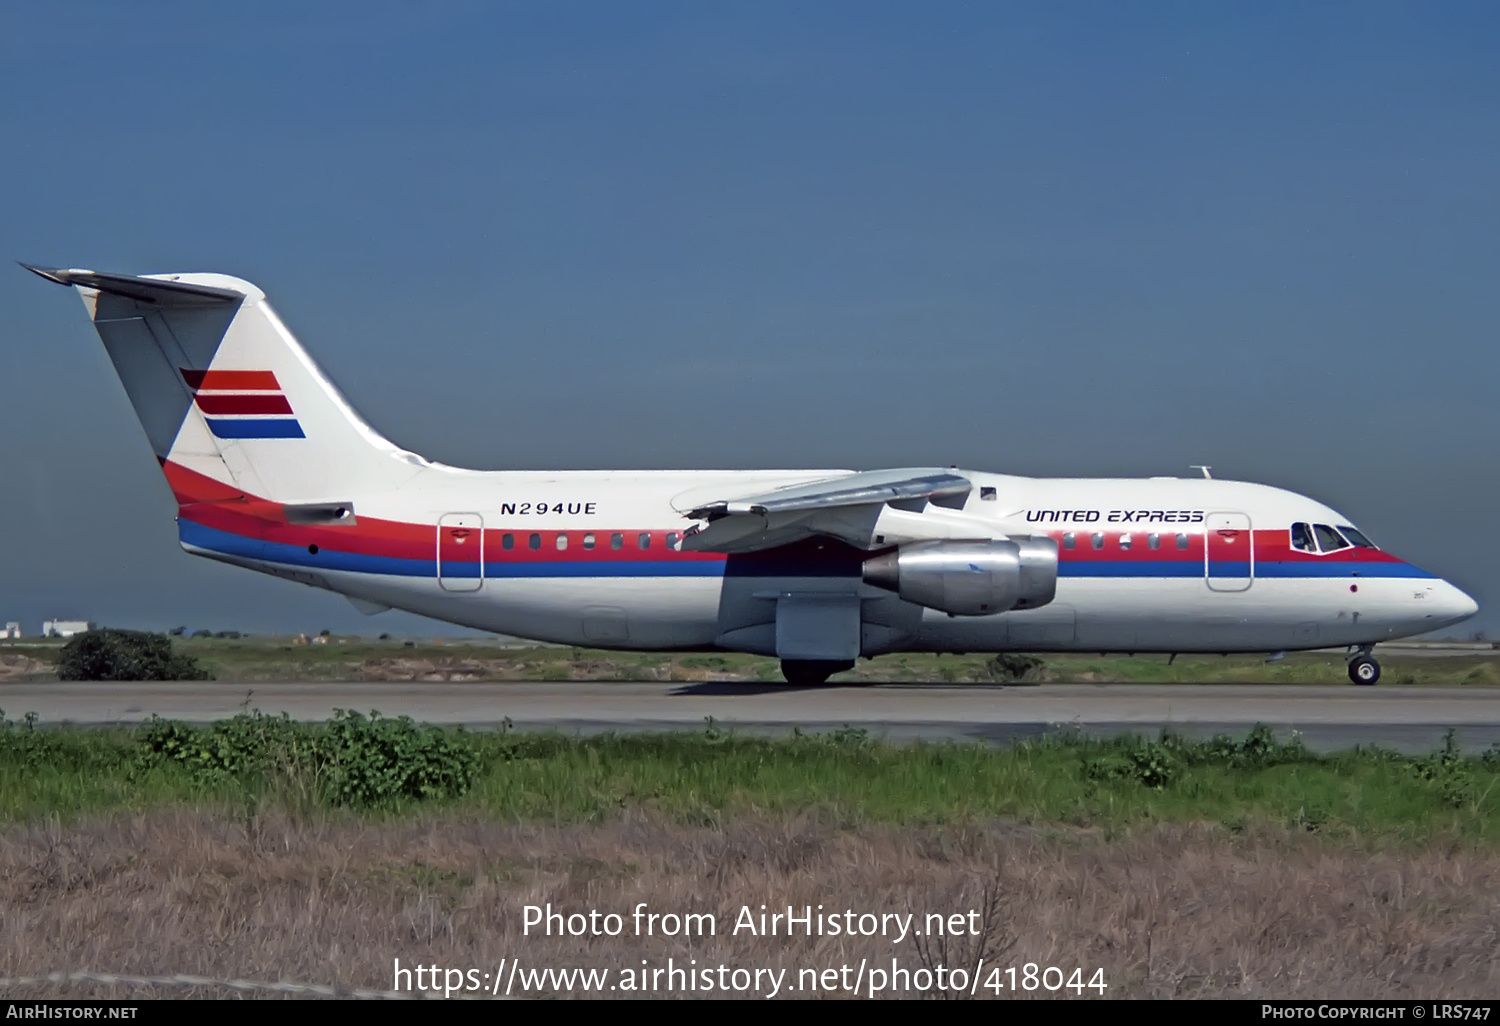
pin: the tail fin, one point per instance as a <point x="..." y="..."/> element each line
<point x="224" y="390"/>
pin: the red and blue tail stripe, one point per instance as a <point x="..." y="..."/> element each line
<point x="243" y="404"/>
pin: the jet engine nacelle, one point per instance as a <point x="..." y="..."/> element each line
<point x="969" y="578"/>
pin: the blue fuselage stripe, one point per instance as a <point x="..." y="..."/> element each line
<point x="1227" y="569"/>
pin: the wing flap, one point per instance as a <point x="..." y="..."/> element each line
<point x="845" y="507"/>
<point x="875" y="487"/>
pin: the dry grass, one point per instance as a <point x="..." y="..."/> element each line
<point x="23" y="668"/>
<point x="1168" y="911"/>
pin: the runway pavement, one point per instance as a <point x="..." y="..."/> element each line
<point x="1328" y="716"/>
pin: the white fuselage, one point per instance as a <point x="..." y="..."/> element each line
<point x="589" y="581"/>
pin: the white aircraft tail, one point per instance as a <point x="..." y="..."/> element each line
<point x="225" y="391"/>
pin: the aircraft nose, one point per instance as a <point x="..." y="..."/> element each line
<point x="1453" y="605"/>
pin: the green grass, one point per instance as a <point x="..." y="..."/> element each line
<point x="1368" y="796"/>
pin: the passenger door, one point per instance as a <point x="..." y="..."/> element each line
<point x="1229" y="552"/>
<point x="460" y="551"/>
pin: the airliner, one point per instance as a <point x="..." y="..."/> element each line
<point x="274" y="471"/>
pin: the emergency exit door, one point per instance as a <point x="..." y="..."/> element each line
<point x="1229" y="552"/>
<point x="460" y="551"/>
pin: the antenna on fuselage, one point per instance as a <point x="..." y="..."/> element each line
<point x="1196" y="466"/>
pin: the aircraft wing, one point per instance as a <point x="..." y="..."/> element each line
<point x="842" y="507"/>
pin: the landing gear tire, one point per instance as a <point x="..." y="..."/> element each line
<point x="1364" y="670"/>
<point x="812" y="672"/>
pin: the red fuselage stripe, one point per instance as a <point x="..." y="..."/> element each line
<point x="214" y="504"/>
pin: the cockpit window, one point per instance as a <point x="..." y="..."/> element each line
<point x="1329" y="540"/>
<point x="1357" y="537"/>
<point x="1302" y="538"/>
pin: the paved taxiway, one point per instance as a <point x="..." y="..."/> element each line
<point x="1406" y="718"/>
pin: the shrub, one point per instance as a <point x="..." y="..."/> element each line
<point x="1014" y="666"/>
<point x="378" y="760"/>
<point x="1157" y="763"/>
<point x="1448" y="772"/>
<point x="90" y="754"/>
<point x="1259" y="749"/>
<point x="850" y="737"/>
<point x="351" y="760"/>
<point x="23" y="741"/>
<point x="1152" y="763"/>
<point x="249" y="743"/>
<point x="125" y="655"/>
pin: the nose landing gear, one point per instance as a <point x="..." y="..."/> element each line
<point x="1363" y="669"/>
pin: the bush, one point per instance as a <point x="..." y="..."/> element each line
<point x="1448" y="772"/>
<point x="125" y="655"/>
<point x="1258" y="750"/>
<point x="378" y="760"/>
<point x="351" y="760"/>
<point x="23" y="741"/>
<point x="250" y="743"/>
<point x="1152" y="763"/>
<point x="89" y="754"/>
<point x="1157" y="763"/>
<point x="1013" y="666"/>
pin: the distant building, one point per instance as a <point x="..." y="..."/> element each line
<point x="64" y="628"/>
<point x="12" y="630"/>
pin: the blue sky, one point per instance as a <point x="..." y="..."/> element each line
<point x="1054" y="239"/>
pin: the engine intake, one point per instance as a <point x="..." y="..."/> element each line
<point x="969" y="578"/>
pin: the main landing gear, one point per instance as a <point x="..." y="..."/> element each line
<point x="809" y="673"/>
<point x="1363" y="669"/>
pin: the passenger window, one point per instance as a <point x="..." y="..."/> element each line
<point x="508" y="541"/>
<point x="1154" y="540"/>
<point x="672" y="540"/>
<point x="1182" y="541"/>
<point x="588" y="541"/>
<point x="562" y="541"/>
<point x="1329" y="540"/>
<point x="1357" y="537"/>
<point x="617" y="541"/>
<point x="1097" y="540"/>
<point x="986" y="493"/>
<point x="643" y="540"/>
<point x="1069" y="540"/>
<point x="1302" y="539"/>
<point x="534" y="542"/>
<point x="1126" y="541"/>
